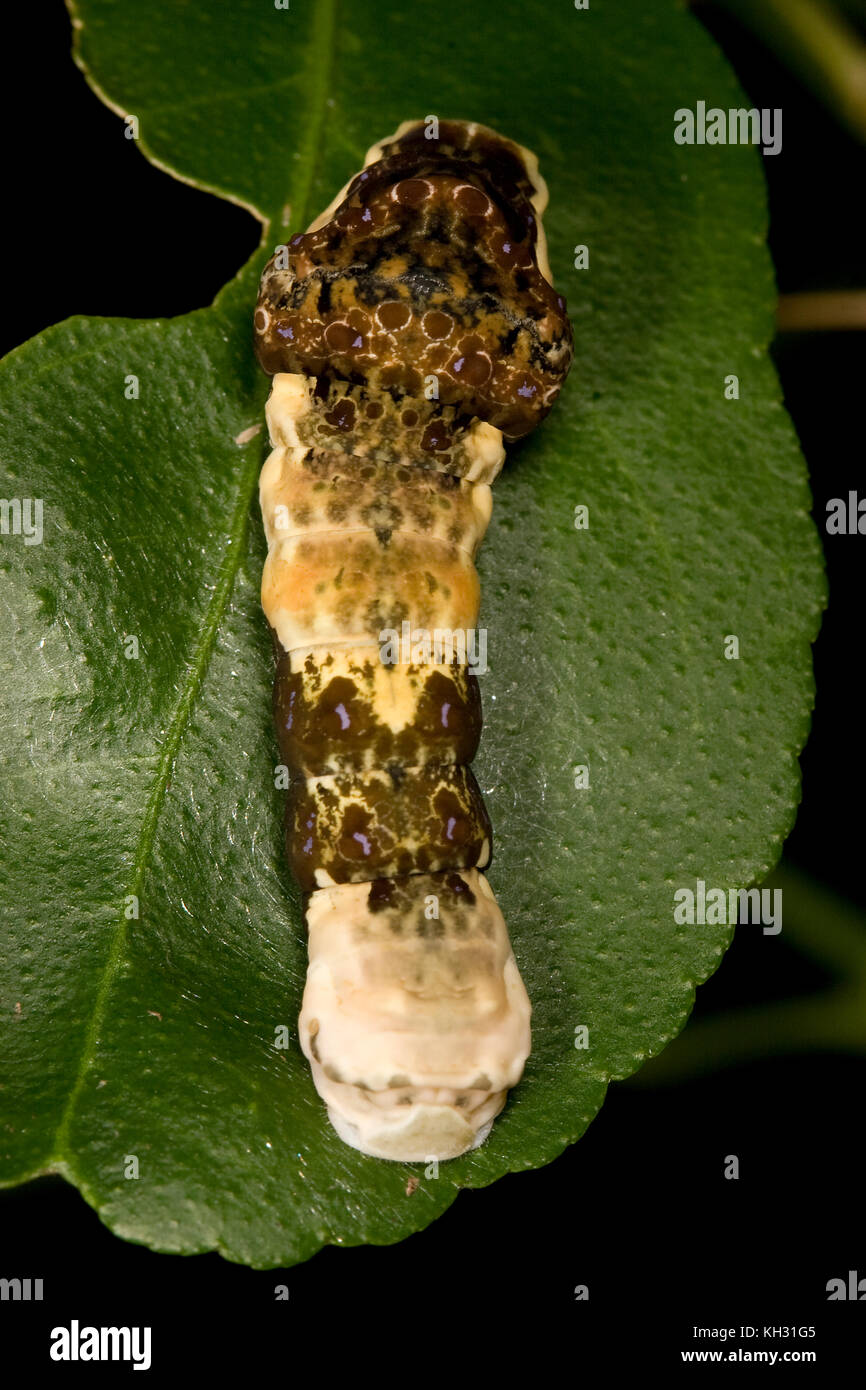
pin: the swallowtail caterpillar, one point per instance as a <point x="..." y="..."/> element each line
<point x="411" y="330"/>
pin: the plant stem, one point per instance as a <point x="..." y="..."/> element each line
<point x="818" y="44"/>
<point x="821" y="310"/>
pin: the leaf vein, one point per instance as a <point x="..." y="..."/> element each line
<point x="319" y="72"/>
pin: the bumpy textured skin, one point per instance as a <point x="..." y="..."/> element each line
<point x="411" y="329"/>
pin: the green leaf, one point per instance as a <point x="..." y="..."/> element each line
<point x="152" y="777"/>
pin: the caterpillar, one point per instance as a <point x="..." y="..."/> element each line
<point x="409" y="332"/>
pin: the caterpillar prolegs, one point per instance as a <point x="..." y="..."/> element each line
<point x="409" y="332"/>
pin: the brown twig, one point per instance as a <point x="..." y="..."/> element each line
<point x="821" y="310"/>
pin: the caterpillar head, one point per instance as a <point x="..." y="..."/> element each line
<point x="426" y="278"/>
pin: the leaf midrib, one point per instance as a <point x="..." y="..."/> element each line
<point x="320" y="58"/>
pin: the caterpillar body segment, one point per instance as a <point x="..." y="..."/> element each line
<point x="430" y="1014"/>
<point x="409" y="332"/>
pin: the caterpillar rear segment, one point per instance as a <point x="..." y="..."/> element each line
<point x="410" y="331"/>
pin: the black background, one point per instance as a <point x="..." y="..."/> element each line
<point x="639" y="1210"/>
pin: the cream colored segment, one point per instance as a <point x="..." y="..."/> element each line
<point x="302" y="636"/>
<point x="436" y="1015"/>
<point x="442" y="1011"/>
<point x="439" y="1011"/>
<point x="482" y="501"/>
<point x="298" y="621"/>
<point x="271" y="483"/>
<point x="541" y="254"/>
<point x="285" y="488"/>
<point x="306" y="634"/>
<point x="289" y="400"/>
<point x="306" y="609"/>
<point x="486" y="451"/>
<point x="413" y="1133"/>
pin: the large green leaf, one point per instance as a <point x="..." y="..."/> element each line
<point x="153" y="777"/>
